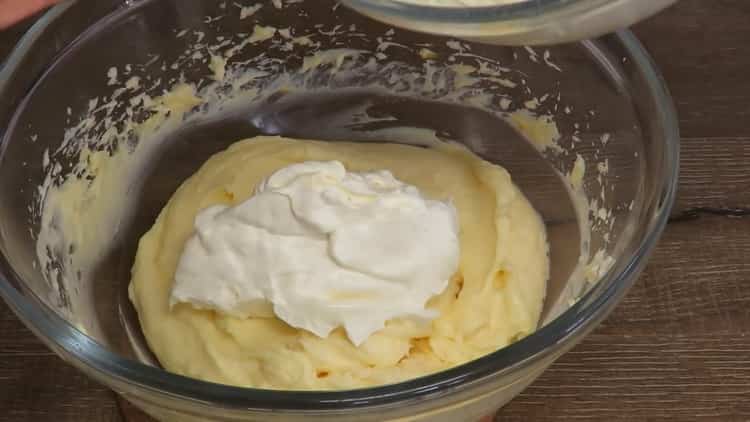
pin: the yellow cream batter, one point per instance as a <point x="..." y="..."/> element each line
<point x="494" y="299"/>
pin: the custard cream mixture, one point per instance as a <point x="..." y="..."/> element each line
<point x="494" y="298"/>
<point x="488" y="296"/>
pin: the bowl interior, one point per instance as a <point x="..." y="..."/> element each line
<point x="565" y="121"/>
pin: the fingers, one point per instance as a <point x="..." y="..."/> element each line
<point x="12" y="11"/>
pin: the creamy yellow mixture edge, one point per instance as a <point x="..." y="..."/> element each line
<point x="495" y="299"/>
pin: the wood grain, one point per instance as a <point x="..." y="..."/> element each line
<point x="678" y="346"/>
<point x="35" y="385"/>
<point x="702" y="50"/>
<point x="714" y="171"/>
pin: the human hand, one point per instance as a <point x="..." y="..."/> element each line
<point x="12" y="11"/>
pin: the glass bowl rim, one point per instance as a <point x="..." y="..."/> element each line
<point x="60" y="334"/>
<point x="527" y="10"/>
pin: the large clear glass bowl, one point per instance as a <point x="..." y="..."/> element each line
<point x="611" y="108"/>
<point x="513" y="22"/>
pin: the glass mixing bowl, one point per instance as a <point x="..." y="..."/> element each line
<point x="513" y="22"/>
<point x="587" y="130"/>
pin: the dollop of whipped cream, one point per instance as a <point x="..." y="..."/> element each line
<point x="320" y="248"/>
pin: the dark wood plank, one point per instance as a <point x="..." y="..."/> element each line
<point x="715" y="172"/>
<point x="676" y="348"/>
<point x="702" y="50"/>
<point x="42" y="388"/>
<point x="696" y="284"/>
<point x="644" y="377"/>
<point x="36" y="385"/>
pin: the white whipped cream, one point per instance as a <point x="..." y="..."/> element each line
<point x="321" y="248"/>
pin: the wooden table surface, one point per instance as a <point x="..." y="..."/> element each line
<point x="677" y="348"/>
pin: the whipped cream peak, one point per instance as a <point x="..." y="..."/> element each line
<point x="320" y="247"/>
